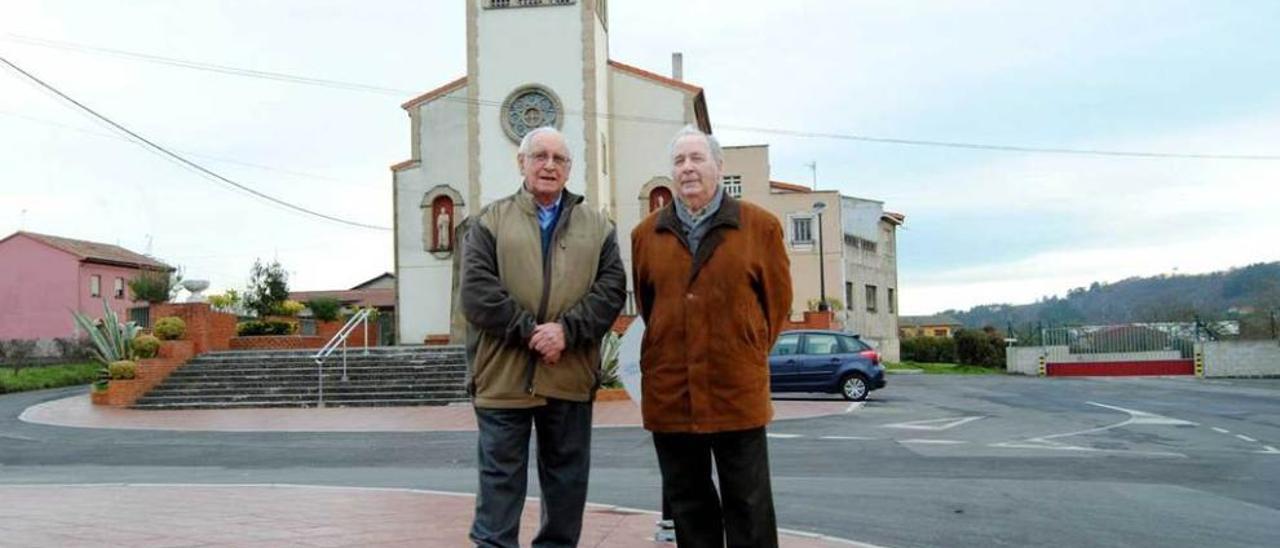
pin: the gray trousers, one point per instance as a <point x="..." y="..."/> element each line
<point x="564" y="460"/>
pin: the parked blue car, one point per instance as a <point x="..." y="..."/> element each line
<point x="825" y="361"/>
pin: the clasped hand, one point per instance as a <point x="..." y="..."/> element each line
<point x="548" y="340"/>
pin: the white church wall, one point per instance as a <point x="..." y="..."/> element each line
<point x="514" y="49"/>
<point x="423" y="279"/>
<point x="604" y="131"/>
<point x="640" y="148"/>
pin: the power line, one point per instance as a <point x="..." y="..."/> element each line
<point x="382" y="90"/>
<point x="151" y="146"/>
<point x="84" y="131"/>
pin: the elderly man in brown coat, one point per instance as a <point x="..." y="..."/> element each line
<point x="713" y="283"/>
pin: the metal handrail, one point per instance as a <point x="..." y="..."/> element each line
<point x="340" y="338"/>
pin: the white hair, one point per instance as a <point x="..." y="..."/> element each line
<point x="527" y="142"/>
<point x="714" y="144"/>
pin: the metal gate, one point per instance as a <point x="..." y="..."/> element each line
<point x="1120" y="350"/>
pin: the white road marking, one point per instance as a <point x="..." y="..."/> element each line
<point x="1142" y="417"/>
<point x="1246" y="438"/>
<point x="1269" y="450"/>
<point x="784" y="436"/>
<point x="1135" y="417"/>
<point x="933" y="425"/>
<point x="854" y="406"/>
<point x="1221" y="430"/>
<point x="933" y="442"/>
<point x="855" y="438"/>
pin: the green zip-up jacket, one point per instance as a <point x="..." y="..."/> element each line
<point x="508" y="288"/>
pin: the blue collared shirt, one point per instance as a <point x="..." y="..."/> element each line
<point x="547" y="214"/>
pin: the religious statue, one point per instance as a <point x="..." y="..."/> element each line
<point x="443" y="225"/>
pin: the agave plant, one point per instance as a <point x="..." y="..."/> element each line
<point x="112" y="340"/>
<point x="609" y="360"/>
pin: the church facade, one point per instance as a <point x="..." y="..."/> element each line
<point x="530" y="63"/>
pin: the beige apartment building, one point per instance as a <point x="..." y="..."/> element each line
<point x="858" y="239"/>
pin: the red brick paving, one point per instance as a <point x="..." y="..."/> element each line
<point x="77" y="411"/>
<point x="155" y="516"/>
<point x="211" y="515"/>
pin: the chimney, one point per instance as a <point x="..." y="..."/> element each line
<point x="677" y="66"/>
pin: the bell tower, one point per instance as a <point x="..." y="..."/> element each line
<point x="533" y="63"/>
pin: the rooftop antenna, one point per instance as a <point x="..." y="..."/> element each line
<point x="22" y="220"/>
<point x="813" y="166"/>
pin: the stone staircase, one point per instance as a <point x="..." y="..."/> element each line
<point x="387" y="376"/>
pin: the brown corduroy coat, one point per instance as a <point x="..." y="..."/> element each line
<point x="710" y="319"/>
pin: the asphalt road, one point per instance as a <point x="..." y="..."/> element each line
<point x="929" y="461"/>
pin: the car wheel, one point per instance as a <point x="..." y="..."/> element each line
<point x="854" y="387"/>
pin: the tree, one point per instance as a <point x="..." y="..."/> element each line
<point x="268" y="288"/>
<point x="155" y="286"/>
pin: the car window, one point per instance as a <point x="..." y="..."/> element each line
<point x="787" y="345"/>
<point x="853" y="345"/>
<point x="821" y="343"/>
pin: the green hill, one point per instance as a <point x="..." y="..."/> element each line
<point x="1250" y="294"/>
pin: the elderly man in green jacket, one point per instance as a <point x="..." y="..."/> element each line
<point x="542" y="282"/>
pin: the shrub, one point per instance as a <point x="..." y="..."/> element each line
<point x="123" y="370"/>
<point x="325" y="309"/>
<point x="832" y="304"/>
<point x="170" y="328"/>
<point x="17" y="352"/>
<point x="146" y="346"/>
<point x="154" y="286"/>
<point x="268" y="327"/>
<point x="268" y="288"/>
<point x="72" y="349"/>
<point x="983" y="347"/>
<point x="290" y="308"/>
<point x="929" y="349"/>
<point x="228" y="302"/>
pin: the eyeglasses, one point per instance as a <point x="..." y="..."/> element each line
<point x="557" y="159"/>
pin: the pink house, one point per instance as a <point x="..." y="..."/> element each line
<point x="43" y="278"/>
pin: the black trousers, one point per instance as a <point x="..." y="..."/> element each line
<point x="741" y="513"/>
<point x="564" y="460"/>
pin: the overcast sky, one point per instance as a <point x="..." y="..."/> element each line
<point x="982" y="226"/>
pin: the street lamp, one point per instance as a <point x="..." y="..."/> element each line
<point x="822" y="272"/>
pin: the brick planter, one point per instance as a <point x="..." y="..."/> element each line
<point x="612" y="394"/>
<point x="207" y="330"/>
<point x="277" y="342"/>
<point x="151" y="372"/>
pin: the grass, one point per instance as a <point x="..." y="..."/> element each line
<point x="945" y="368"/>
<point x="47" y="376"/>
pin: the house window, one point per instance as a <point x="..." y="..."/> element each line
<point x="733" y="185"/>
<point x="892" y="302"/>
<point x="848" y="295"/>
<point x="871" y="298"/>
<point x="940" y="332"/>
<point x="95" y="286"/>
<point x="119" y="289"/>
<point x="802" y="230"/>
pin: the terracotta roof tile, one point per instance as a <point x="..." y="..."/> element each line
<point x="97" y="252"/>
<point x="435" y="93"/>
<point x="655" y="77"/>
